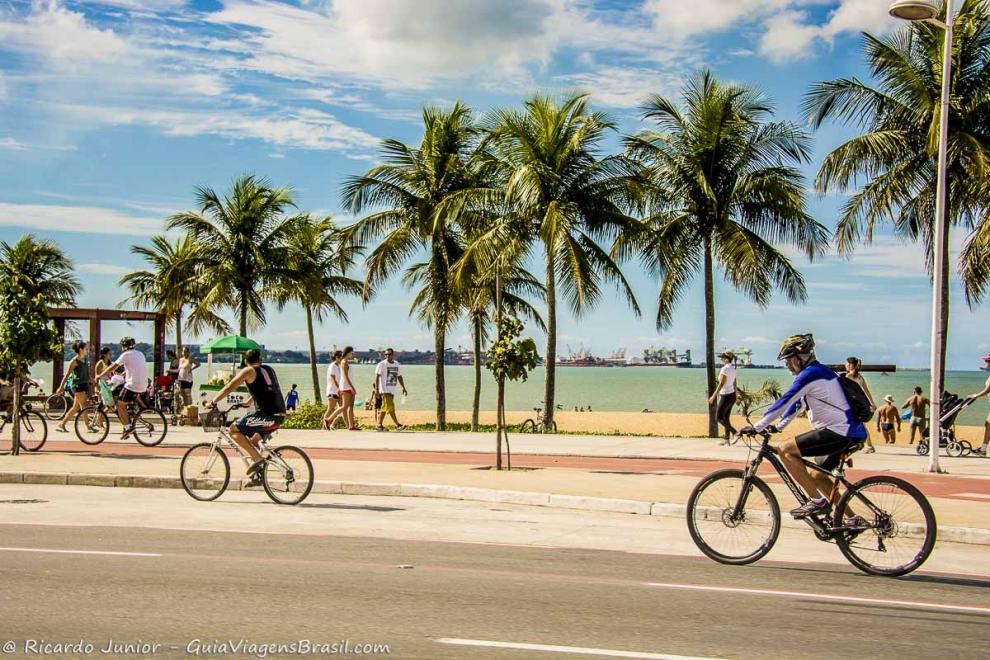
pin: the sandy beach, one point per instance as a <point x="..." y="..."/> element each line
<point x="687" y="425"/>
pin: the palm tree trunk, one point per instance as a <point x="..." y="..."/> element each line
<point x="178" y="333"/>
<point x="710" y="334"/>
<point x="550" y="361"/>
<point x="439" y="341"/>
<point x="312" y="354"/>
<point x="244" y="313"/>
<point x="476" y="403"/>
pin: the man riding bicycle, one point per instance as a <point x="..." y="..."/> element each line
<point x="263" y="385"/>
<point x="834" y="429"/>
<point x="135" y="381"/>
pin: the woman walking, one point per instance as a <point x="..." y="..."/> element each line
<point x="853" y="365"/>
<point x="725" y="394"/>
<point x="333" y="390"/>
<point x="187" y="364"/>
<point x="79" y="369"/>
<point x="347" y="392"/>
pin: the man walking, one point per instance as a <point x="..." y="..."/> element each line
<point x="918" y="403"/>
<point x="887" y="417"/>
<point x="725" y="394"/>
<point x="387" y="376"/>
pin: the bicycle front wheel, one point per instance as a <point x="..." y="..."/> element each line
<point x="733" y="519"/>
<point x="900" y="528"/>
<point x="92" y="426"/>
<point x="55" y="407"/>
<point x="288" y="475"/>
<point x="150" y="427"/>
<point x="529" y="426"/>
<point x="34" y="431"/>
<point x="551" y="428"/>
<point x="205" y="472"/>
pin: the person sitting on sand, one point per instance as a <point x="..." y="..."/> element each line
<point x="887" y="417"/>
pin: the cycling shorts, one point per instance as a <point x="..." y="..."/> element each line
<point x="130" y="396"/>
<point x="827" y="444"/>
<point x="259" y="423"/>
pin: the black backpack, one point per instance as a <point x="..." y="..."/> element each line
<point x="862" y="410"/>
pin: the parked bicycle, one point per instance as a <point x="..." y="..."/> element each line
<point x="34" y="429"/>
<point x="287" y="475"/>
<point x="734" y="518"/>
<point x="538" y="423"/>
<point x="147" y="425"/>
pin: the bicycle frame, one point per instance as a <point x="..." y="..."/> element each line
<point x="223" y="436"/>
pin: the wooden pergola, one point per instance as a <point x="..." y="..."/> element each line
<point x="95" y="318"/>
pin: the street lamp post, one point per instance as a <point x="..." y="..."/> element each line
<point x="927" y="10"/>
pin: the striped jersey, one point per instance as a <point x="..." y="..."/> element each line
<point x="817" y="390"/>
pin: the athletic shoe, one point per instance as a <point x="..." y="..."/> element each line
<point x="255" y="468"/>
<point x="855" y="526"/>
<point x="400" y="427"/>
<point x="819" y="505"/>
<point x="723" y="443"/>
<point x="871" y="450"/>
<point x="255" y="481"/>
<point x="982" y="451"/>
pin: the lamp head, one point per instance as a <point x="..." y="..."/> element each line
<point x="914" y="10"/>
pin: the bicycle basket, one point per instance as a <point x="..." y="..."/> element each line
<point x="211" y="421"/>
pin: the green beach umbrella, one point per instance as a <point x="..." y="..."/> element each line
<point x="230" y="344"/>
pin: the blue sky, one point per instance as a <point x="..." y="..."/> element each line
<point x="111" y="111"/>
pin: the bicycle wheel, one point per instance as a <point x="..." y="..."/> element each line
<point x="205" y="472"/>
<point x="149" y="426"/>
<point x="287" y="475"/>
<point x="55" y="407"/>
<point x="92" y="425"/>
<point x="34" y="431"/>
<point x="529" y="426"/>
<point x="728" y="539"/>
<point x="900" y="526"/>
<point x="552" y="428"/>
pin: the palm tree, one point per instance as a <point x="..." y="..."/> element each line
<point x="405" y="193"/>
<point x="171" y="283"/>
<point x="242" y="237"/>
<point x="315" y="276"/>
<point x="562" y="193"/>
<point x="721" y="189"/>
<point x="42" y="269"/>
<point x="895" y="156"/>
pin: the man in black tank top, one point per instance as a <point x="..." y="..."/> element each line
<point x="263" y="385"/>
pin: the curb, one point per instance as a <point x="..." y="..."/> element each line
<point x="968" y="535"/>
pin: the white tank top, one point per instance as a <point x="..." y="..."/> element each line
<point x="345" y="380"/>
<point x="334" y="371"/>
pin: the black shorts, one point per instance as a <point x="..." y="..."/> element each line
<point x="185" y="384"/>
<point x="828" y="444"/>
<point x="80" y="388"/>
<point x="130" y="396"/>
<point x="258" y="423"/>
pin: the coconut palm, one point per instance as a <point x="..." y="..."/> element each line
<point x="42" y="269"/>
<point x="317" y="260"/>
<point x="722" y="191"/>
<point x="895" y="156"/>
<point x="562" y="193"/>
<point x="171" y="283"/>
<point x="242" y="237"/>
<point x="404" y="195"/>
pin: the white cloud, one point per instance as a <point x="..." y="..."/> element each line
<point x="81" y="219"/>
<point x="858" y="16"/>
<point x="788" y="37"/>
<point x="102" y="269"/>
<point x="10" y="144"/>
<point x="3" y="87"/>
<point x="681" y="20"/>
<point x="623" y="87"/>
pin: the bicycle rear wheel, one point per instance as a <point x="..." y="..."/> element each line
<point x="551" y="428"/>
<point x="288" y="475"/>
<point x="34" y="431"/>
<point x="92" y="425"/>
<point x="726" y="537"/>
<point x="900" y="528"/>
<point x="205" y="472"/>
<point x="55" y="407"/>
<point x="149" y="426"/>
<point x="529" y="426"/>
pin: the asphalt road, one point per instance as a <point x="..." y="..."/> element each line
<point x="181" y="586"/>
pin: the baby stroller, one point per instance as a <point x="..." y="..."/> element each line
<point x="952" y="405"/>
<point x="163" y="397"/>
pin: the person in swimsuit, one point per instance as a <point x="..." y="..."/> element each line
<point x="887" y="418"/>
<point x="919" y="413"/>
<point x="79" y="368"/>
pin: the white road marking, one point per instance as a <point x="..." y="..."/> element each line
<point x="829" y="597"/>
<point x="551" y="648"/>
<point x="83" y="552"/>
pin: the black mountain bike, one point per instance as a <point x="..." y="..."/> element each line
<point x="34" y="429"/>
<point x="734" y="518"/>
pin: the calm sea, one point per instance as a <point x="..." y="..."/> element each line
<point x="606" y="388"/>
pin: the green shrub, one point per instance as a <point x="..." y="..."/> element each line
<point x="307" y="416"/>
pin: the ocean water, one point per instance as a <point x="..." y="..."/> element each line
<point x="629" y="389"/>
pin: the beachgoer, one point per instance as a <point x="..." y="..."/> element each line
<point x="135" y="383"/>
<point x="853" y="365"/>
<point x="103" y="363"/>
<point x="348" y="391"/>
<point x="187" y="364"/>
<point x="269" y="413"/>
<point x="292" y="398"/>
<point x="79" y="369"/>
<point x="333" y="389"/>
<point x="173" y="365"/>
<point x="816" y="388"/>
<point x="589" y="407"/>
<point x="982" y="449"/>
<point x="918" y="403"/>
<point x="887" y="418"/>
<point x="575" y="409"/>
<point x="725" y="394"/>
<point x="387" y="376"/>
